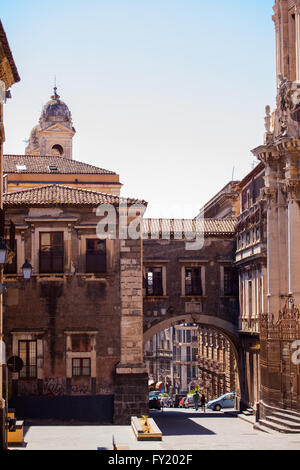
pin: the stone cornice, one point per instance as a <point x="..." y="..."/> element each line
<point x="287" y="144"/>
<point x="267" y="154"/>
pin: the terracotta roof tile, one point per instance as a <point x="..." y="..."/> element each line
<point x="58" y="195"/>
<point x="189" y="226"/>
<point x="40" y="164"/>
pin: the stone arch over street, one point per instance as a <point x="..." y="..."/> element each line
<point x="227" y="329"/>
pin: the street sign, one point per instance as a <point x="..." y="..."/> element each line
<point x="15" y="364"/>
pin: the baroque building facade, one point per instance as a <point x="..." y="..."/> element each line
<point x="280" y="156"/>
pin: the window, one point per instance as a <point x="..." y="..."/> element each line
<point x="248" y="204"/>
<point x="250" y="298"/>
<point x="188" y="354"/>
<point x="193" y="283"/>
<point x="51" y="252"/>
<point x="194" y="354"/>
<point x="53" y="168"/>
<point x="81" y="367"/>
<point x="257" y="233"/>
<point x="27" y="352"/>
<point x="188" y="373"/>
<point x="95" y="255"/>
<point x="230" y="281"/>
<point x="153" y="281"/>
<point x="188" y="336"/>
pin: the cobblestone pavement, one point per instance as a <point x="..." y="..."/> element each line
<point x="182" y="430"/>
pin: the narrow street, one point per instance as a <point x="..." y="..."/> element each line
<point x="182" y="430"/>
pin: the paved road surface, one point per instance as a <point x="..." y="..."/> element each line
<point x="182" y="430"/>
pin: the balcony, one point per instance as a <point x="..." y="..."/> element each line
<point x="211" y="365"/>
<point x="250" y="326"/>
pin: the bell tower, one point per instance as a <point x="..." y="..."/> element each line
<point x="287" y="28"/>
<point x="54" y="133"/>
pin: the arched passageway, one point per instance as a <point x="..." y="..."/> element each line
<point x="209" y="327"/>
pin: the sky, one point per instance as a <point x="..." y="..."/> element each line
<point x="170" y="94"/>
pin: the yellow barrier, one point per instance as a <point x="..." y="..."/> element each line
<point x="15" y="437"/>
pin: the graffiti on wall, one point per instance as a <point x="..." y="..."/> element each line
<point x="54" y="386"/>
<point x="80" y="389"/>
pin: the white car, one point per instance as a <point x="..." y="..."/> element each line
<point x="225" y="401"/>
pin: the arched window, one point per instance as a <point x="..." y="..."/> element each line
<point x="57" y="150"/>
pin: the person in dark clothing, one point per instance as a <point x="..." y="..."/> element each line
<point x="203" y="402"/>
<point x="196" y="400"/>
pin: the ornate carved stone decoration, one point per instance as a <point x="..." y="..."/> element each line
<point x="268" y="121"/>
<point x="287" y="327"/>
<point x="288" y="102"/>
<point x="270" y="195"/>
<point x="293" y="189"/>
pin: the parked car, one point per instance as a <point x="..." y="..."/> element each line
<point x="154" y="401"/>
<point x="225" y="401"/>
<point x="177" y="400"/>
<point x="189" y="402"/>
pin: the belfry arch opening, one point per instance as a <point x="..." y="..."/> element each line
<point x="57" y="150"/>
<point x="187" y="352"/>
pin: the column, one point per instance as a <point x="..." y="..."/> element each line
<point x="293" y="193"/>
<point x="293" y="249"/>
<point x="131" y="371"/>
<point x="273" y="259"/>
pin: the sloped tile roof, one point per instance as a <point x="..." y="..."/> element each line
<point x="58" y="195"/>
<point x="8" y="54"/>
<point x="218" y="227"/>
<point x="40" y="164"/>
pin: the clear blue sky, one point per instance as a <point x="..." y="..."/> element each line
<point x="171" y="94"/>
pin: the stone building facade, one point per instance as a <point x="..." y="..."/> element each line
<point x="280" y="155"/>
<point x="158" y="356"/>
<point x="57" y="321"/>
<point x="8" y="76"/>
<point x="185" y="357"/>
<point x="251" y="263"/>
<point x="197" y="286"/>
<point x="218" y="367"/>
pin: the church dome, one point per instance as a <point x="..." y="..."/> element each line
<point x="56" y="110"/>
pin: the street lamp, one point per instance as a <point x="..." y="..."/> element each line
<point x="27" y="270"/>
<point x="3" y="251"/>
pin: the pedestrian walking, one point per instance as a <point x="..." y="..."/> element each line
<point x="196" y="400"/>
<point x="203" y="402"/>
